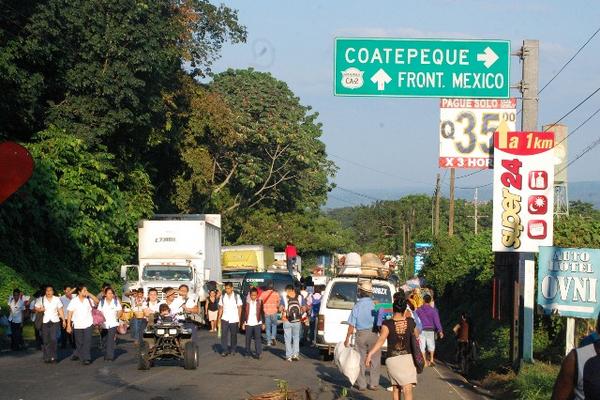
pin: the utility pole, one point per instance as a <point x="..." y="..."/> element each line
<point x="451" y="211"/>
<point x="476" y="215"/>
<point x="436" y="230"/>
<point x="524" y="268"/>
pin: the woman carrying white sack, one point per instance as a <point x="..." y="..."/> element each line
<point x="112" y="310"/>
<point x="401" y="368"/>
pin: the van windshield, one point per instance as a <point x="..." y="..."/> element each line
<point x="262" y="280"/>
<point x="167" y="273"/>
<point x="343" y="295"/>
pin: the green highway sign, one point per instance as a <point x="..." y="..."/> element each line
<point x="422" y="68"/>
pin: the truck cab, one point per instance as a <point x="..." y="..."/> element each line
<point x="176" y="250"/>
<point x="339" y="297"/>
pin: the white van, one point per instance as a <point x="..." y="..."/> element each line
<point x="338" y="299"/>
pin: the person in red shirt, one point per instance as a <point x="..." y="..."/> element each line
<point x="290" y="256"/>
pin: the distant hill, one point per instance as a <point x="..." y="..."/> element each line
<point x="584" y="191"/>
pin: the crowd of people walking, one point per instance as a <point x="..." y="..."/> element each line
<point x="71" y="318"/>
<point x="410" y="327"/>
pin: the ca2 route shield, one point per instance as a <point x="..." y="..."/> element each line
<point x="422" y="68"/>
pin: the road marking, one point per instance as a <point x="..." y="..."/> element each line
<point x="449" y="384"/>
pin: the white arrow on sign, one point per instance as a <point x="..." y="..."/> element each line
<point x="488" y="57"/>
<point x="381" y="78"/>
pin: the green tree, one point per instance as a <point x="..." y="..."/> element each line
<point x="77" y="216"/>
<point x="104" y="70"/>
<point x="311" y="232"/>
<point x="248" y="145"/>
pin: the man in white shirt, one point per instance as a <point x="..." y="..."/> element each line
<point x="253" y="323"/>
<point x="183" y="305"/>
<point x="230" y="310"/>
<point x="65" y="337"/>
<point x="17" y="306"/>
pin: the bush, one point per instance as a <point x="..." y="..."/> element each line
<point x="535" y="381"/>
<point x="10" y="280"/>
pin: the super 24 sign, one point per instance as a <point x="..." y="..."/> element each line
<point x="467" y="127"/>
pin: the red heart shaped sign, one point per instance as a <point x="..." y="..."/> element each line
<point x="16" y="167"/>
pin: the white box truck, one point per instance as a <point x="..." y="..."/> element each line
<point x="175" y="250"/>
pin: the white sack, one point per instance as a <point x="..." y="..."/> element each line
<point x="347" y="360"/>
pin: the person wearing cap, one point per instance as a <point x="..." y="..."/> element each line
<point x="361" y="323"/>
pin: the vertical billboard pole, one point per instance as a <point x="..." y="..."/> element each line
<point x="529" y="90"/>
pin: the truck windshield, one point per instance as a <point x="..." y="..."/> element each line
<point x="343" y="295"/>
<point x="167" y="273"/>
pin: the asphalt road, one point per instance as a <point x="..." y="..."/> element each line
<point x="24" y="376"/>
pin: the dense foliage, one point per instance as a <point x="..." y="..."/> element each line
<point x="105" y="97"/>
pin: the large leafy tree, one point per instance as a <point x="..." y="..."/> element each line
<point x="105" y="70"/>
<point x="77" y="216"/>
<point x="249" y="145"/>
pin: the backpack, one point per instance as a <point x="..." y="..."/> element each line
<point x="316" y="305"/>
<point x="591" y="375"/>
<point x="293" y="312"/>
<point x="115" y="301"/>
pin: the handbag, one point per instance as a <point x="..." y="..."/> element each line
<point x="417" y="356"/>
<point x="97" y="315"/>
<point x="38" y="323"/>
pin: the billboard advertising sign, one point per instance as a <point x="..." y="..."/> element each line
<point x="523" y="190"/>
<point x="467" y="127"/>
<point x="568" y="281"/>
<point x="421" y="250"/>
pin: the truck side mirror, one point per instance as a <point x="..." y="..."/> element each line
<point x="124" y="272"/>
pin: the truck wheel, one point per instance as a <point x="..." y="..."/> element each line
<point x="190" y="356"/>
<point x="325" y="355"/>
<point x="143" y="361"/>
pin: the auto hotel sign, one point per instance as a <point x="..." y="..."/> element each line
<point x="568" y="281"/>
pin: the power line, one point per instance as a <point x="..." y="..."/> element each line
<point x="570" y="59"/>
<point x="343" y="201"/>
<point x="584" y="152"/>
<point x="379" y="171"/>
<point x="579" y="126"/>
<point x="471" y="173"/>
<point x="474" y="187"/>
<point x="567" y="63"/>
<point x="573" y="109"/>
<point x="366" y="196"/>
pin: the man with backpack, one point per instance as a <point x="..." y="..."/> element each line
<point x="292" y="308"/>
<point x="230" y="311"/>
<point x="579" y="376"/>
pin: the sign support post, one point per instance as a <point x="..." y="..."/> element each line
<point x="526" y="266"/>
<point x="570" y="339"/>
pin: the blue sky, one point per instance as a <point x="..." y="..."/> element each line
<point x="294" y="40"/>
